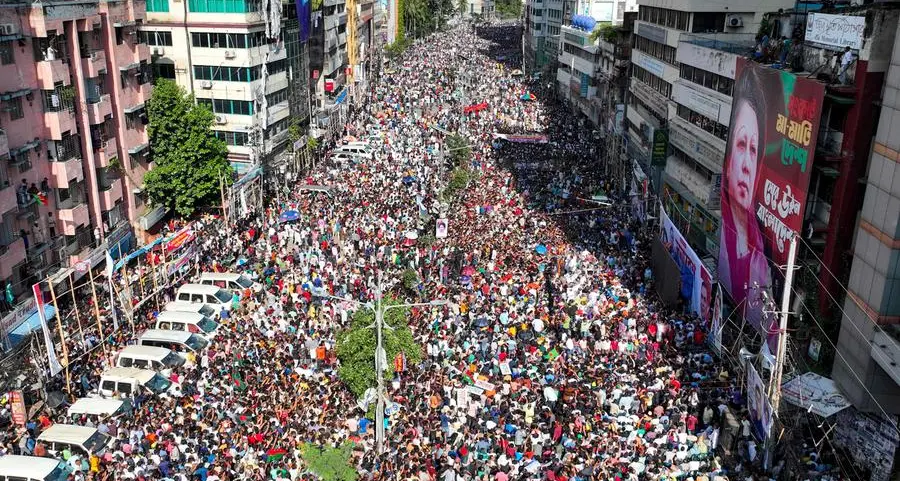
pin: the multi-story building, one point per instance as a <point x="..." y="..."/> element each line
<point x="328" y="62"/>
<point x="74" y="77"/>
<point x="482" y="8"/>
<point x="231" y="55"/>
<point x="655" y="69"/>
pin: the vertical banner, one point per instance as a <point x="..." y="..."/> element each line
<point x="716" y="324"/>
<point x="758" y="403"/>
<point x="53" y="363"/>
<point x="768" y="160"/>
<point x="17" y="404"/>
<point x="303" y="13"/>
<point x="109" y="280"/>
<point x="696" y="284"/>
<point x="440" y="229"/>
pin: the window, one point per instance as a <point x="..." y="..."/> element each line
<point x="658" y="84"/>
<point x="120" y="37"/>
<point x="655" y="49"/>
<point x="232" y="107"/>
<point x="155" y="38"/>
<point x="233" y="138"/>
<point x="703" y="122"/>
<point x="635" y="101"/>
<point x="7" y="55"/>
<point x="227" y="74"/>
<point x="164" y="70"/>
<point x="14" y="107"/>
<point x="224" y="6"/>
<point x="219" y="40"/>
<point x="277" y="128"/>
<point x="537" y="13"/>
<point x="708" y="22"/>
<point x="712" y="81"/>
<point x="277" y="66"/>
<point x="158" y="6"/>
<point x="277" y="97"/>
<point x="664" y="17"/>
<point x="56" y="101"/>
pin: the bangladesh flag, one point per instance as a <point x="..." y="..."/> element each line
<point x="238" y="381"/>
<point x="275" y="454"/>
<point x="40" y="197"/>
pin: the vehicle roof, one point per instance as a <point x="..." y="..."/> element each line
<point x="220" y="275"/>
<point x="142" y="375"/>
<point x="182" y="306"/>
<point x="27" y="466"/>
<point x="193" y="317"/>
<point x="67" y="433"/>
<point x="165" y="335"/>
<point x="199" y="288"/>
<point x="149" y="351"/>
<point x="95" y="406"/>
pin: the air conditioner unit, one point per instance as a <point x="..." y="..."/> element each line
<point x="221" y="120"/>
<point x="159" y="51"/>
<point x="734" y="21"/>
<point x="230" y="54"/>
<point x="206" y="84"/>
<point x="9" y="29"/>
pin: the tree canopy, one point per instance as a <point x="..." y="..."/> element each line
<point x="356" y="346"/>
<point x="189" y="159"/>
<point x="329" y="463"/>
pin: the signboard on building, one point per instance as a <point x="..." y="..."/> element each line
<point x="768" y="161"/>
<point x="652" y="32"/>
<point x="17" y="405"/>
<point x="22" y="311"/>
<point x="835" y="30"/>
<point x="702" y="103"/>
<point x="649" y="63"/>
<point x="660" y="147"/>
<point x="716" y="61"/>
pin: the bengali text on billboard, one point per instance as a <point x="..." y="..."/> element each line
<point x="768" y="160"/>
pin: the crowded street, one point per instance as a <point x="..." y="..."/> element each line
<point x="549" y="356"/>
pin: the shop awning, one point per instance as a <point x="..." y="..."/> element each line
<point x="815" y="393"/>
<point x="133" y="108"/>
<point x="32" y="323"/>
<point x="14" y="94"/>
<point x="138" y="149"/>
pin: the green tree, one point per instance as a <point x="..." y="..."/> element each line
<point x="459" y="150"/>
<point x="329" y="463"/>
<point x="189" y="159"/>
<point x="356" y="346"/>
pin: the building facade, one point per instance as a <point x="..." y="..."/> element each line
<point x="231" y="55"/>
<point x="75" y="77"/>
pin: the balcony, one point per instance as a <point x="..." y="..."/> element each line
<point x="50" y="72"/>
<point x="4" y="143"/>
<point x="98" y="108"/>
<point x="73" y="214"/>
<point x="93" y="63"/>
<point x="108" y="150"/>
<point x="59" y="122"/>
<point x="62" y="174"/>
<point x="685" y="136"/>
<point x="110" y="195"/>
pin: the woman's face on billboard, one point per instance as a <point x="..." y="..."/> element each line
<point x="744" y="155"/>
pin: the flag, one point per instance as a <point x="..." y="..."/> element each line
<point x="109" y="279"/>
<point x="238" y="381"/>
<point x="52" y="361"/>
<point x="275" y="454"/>
<point x="10" y="297"/>
<point x="40" y="197"/>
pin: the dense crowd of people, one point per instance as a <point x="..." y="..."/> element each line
<point x="553" y="360"/>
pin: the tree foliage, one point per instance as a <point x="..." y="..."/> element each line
<point x="459" y="150"/>
<point x="189" y="159"/>
<point x="508" y="8"/>
<point x="330" y="463"/>
<point x="422" y="17"/>
<point x="356" y="346"/>
<point x="606" y="31"/>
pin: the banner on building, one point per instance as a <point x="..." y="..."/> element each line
<point x="440" y="229"/>
<point x="696" y="284"/>
<point x="768" y="161"/>
<point x="716" y="323"/>
<point x="17" y="405"/>
<point x="52" y="361"/>
<point x="835" y="30"/>
<point x="758" y="403"/>
<point x="303" y="14"/>
<point x="659" y="149"/>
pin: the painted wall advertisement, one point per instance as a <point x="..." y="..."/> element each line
<point x="835" y="30"/>
<point x="768" y="160"/>
<point x="696" y="282"/>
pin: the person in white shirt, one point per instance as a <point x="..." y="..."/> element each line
<point x="846" y="61"/>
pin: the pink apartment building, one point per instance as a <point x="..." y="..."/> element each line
<point x="74" y="77"/>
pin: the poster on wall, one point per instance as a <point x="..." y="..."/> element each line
<point x="758" y="404"/>
<point x="696" y="282"/>
<point x="768" y="160"/>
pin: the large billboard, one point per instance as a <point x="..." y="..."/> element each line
<point x="768" y="160"/>
<point x="303" y="14"/>
<point x="696" y="285"/>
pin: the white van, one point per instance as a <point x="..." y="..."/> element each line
<point x="167" y="339"/>
<point x="358" y="150"/>
<point x="233" y="282"/>
<point x="213" y="296"/>
<point x="159" y="359"/>
<point x="127" y="381"/>
<point x="186" y="321"/>
<point x="189" y="307"/>
<point x="80" y="439"/>
<point x="98" y="406"/>
<point x="32" y="468"/>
